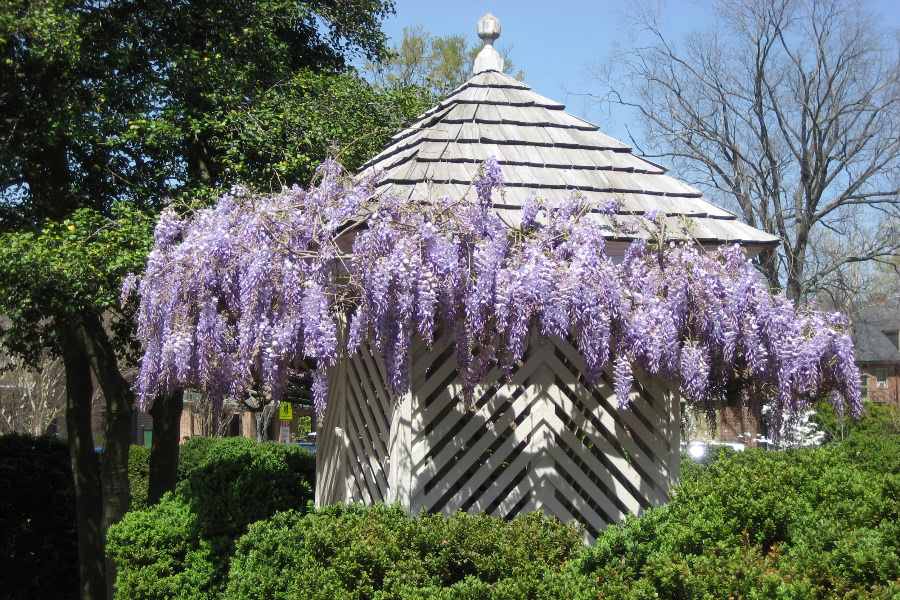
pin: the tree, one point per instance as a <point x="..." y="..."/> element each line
<point x="203" y="415"/>
<point x="108" y="110"/>
<point x="31" y="399"/>
<point x="800" y="432"/>
<point x="281" y="134"/>
<point x="854" y="285"/>
<point x="878" y="419"/>
<point x="439" y="64"/>
<point x="58" y="284"/>
<point x="787" y="110"/>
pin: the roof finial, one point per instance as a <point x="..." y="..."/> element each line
<point x="488" y="59"/>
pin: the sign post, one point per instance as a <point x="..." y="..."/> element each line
<point x="286" y="415"/>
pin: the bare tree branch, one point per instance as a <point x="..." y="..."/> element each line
<point x="787" y="111"/>
<point x="30" y="398"/>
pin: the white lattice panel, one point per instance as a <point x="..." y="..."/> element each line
<point x="544" y="441"/>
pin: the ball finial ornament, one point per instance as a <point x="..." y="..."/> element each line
<point x="489" y="28"/>
<point x="488" y="59"/>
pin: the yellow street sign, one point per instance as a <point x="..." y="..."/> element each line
<point x="286" y="411"/>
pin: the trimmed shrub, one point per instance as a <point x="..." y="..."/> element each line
<point x="160" y="554"/>
<point x="183" y="545"/>
<point x="354" y="552"/>
<point x="138" y="475"/>
<point x="692" y="468"/>
<point x="240" y="481"/>
<point x="811" y="523"/>
<point x="191" y="455"/>
<point x="873" y="453"/>
<point x="38" y="536"/>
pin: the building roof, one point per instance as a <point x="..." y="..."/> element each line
<point x="544" y="150"/>
<point x="875" y="334"/>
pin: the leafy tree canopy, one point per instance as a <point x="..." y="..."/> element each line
<point x="124" y="102"/>
<point x="66" y="267"/>
<point x="109" y="109"/>
<point x="439" y="64"/>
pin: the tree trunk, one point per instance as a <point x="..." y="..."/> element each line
<point x="166" y="412"/>
<point x="263" y="419"/>
<point x="119" y="402"/>
<point x="767" y="261"/>
<point x="86" y="472"/>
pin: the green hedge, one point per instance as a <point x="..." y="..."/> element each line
<point x="191" y="454"/>
<point x="812" y="523"/>
<point x="181" y="547"/>
<point x="38" y="538"/>
<point x="240" y="481"/>
<point x="808" y="524"/>
<point x="139" y="475"/>
<point x="358" y="553"/>
<point x="160" y="554"/>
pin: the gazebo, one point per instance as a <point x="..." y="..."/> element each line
<point x="544" y="440"/>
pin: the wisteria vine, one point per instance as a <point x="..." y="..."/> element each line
<point x="236" y="295"/>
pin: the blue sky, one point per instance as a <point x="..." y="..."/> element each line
<point x="552" y="42"/>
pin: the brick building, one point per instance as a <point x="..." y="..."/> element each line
<point x="876" y="333"/>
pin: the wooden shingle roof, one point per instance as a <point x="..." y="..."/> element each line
<point x="546" y="151"/>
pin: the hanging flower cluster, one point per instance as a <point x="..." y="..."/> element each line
<point x="236" y="295"/>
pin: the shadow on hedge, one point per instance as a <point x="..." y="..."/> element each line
<point x="38" y="535"/>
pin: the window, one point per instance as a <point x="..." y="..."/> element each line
<point x="881" y="375"/>
<point x="864" y="386"/>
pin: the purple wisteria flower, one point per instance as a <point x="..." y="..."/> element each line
<point x="653" y="215"/>
<point x="235" y="296"/>
<point x="609" y="206"/>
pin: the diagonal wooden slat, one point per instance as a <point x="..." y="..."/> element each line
<point x="372" y="379"/>
<point x="365" y="425"/>
<point x="611" y="483"/>
<point x="448" y="453"/>
<point x="603" y="425"/>
<point x="586" y="515"/>
<point x="364" y="468"/>
<point x="543" y="440"/>
<point x="484" y="413"/>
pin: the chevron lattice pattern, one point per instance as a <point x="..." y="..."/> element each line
<point x="353" y="446"/>
<point x="542" y="441"/>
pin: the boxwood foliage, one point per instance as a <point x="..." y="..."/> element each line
<point x="356" y="553"/>
<point x="181" y="547"/>
<point x="38" y="538"/>
<point x="190" y="455"/>
<point x="808" y="524"/>
<point x="812" y="523"/>
<point x="160" y="554"/>
<point x="138" y="475"/>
